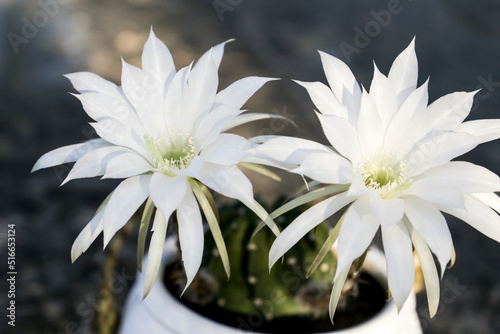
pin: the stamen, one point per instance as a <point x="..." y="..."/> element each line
<point x="175" y="151"/>
<point x="385" y="174"/>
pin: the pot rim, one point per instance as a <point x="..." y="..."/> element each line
<point x="160" y="299"/>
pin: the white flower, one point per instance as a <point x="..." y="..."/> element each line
<point x="162" y="132"/>
<point x="391" y="165"/>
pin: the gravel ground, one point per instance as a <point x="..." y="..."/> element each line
<point x="458" y="45"/>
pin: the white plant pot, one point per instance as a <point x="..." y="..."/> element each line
<point x="162" y="313"/>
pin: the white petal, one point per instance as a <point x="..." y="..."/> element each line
<point x="478" y="215"/>
<point x="437" y="149"/>
<point x="68" y="153"/>
<point x="94" y="163"/>
<point x="215" y="53"/>
<point x="342" y="135"/>
<point x="126" y="165"/>
<point x="167" y="192"/>
<point x="447" y="183"/>
<point x="400" y="265"/>
<point x="134" y="82"/>
<point x="432" y="227"/>
<point x="484" y="130"/>
<point x="228" y="149"/>
<point x="126" y="199"/>
<point x="252" y="117"/>
<point x="157" y="60"/>
<point x="209" y="126"/>
<point x="369" y="127"/>
<point x="429" y="271"/>
<point x="155" y="252"/>
<point x="404" y="72"/>
<point x="305" y="222"/>
<point x="202" y="84"/>
<point x="415" y="104"/>
<point x="218" y="52"/>
<point x="203" y="79"/>
<point x="447" y="112"/>
<point x="144" y="93"/>
<point x="265" y="138"/>
<point x="289" y="149"/>
<point x="193" y="170"/>
<point x="342" y="82"/>
<point x="267" y="161"/>
<point x="388" y="211"/>
<point x="465" y="176"/>
<point x="90" y="82"/>
<point x="228" y="181"/>
<point x="97" y="105"/>
<point x="492" y="200"/>
<point x="406" y="127"/>
<point x="326" y="168"/>
<point x="384" y="96"/>
<point x="101" y="107"/>
<point x="87" y="236"/>
<point x="174" y="117"/>
<point x="437" y="193"/>
<point x="324" y="100"/>
<point x="236" y="94"/>
<point x="120" y="134"/>
<point x="356" y="234"/>
<point x="191" y="235"/>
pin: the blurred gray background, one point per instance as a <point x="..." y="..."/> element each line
<point x="457" y="43"/>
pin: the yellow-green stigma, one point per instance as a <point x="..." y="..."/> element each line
<point x="385" y="175"/>
<point x="175" y="151"/>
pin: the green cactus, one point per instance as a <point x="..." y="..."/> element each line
<point x="284" y="297"/>
<point x="284" y="291"/>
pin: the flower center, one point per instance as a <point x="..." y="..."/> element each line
<point x="385" y="175"/>
<point x="173" y="151"/>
